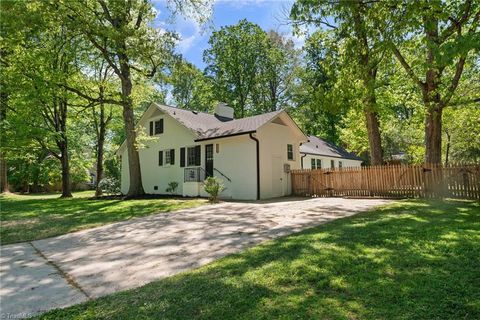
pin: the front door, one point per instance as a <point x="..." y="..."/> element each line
<point x="209" y="160"/>
<point x="277" y="176"/>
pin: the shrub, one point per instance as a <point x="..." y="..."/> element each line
<point x="172" y="187"/>
<point x="110" y="185"/>
<point x="213" y="186"/>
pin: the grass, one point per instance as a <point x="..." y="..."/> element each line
<point x="32" y="217"/>
<point x="407" y="260"/>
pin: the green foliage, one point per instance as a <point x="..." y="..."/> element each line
<point x="462" y="134"/>
<point x="213" y="186"/>
<point x="172" y="187"/>
<point x="251" y="70"/>
<point x="112" y="168"/>
<point x="395" y="262"/>
<point x="110" y="185"/>
<point x="191" y="89"/>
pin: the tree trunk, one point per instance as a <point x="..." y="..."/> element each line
<point x="368" y="70"/>
<point x="431" y="95"/>
<point x="371" y="115"/>
<point x="66" y="187"/>
<point x="100" y="143"/>
<point x="3" y="162"/>
<point x="447" y="148"/>
<point x="136" y="186"/>
<point x="3" y="174"/>
<point x="374" y="139"/>
<point x="433" y="136"/>
<point x="62" y="144"/>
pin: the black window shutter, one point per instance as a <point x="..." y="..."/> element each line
<point x="182" y="157"/>
<point x="197" y="155"/>
<point x="151" y="128"/>
<point x="160" y="158"/>
<point x="161" y="125"/>
<point x="172" y="156"/>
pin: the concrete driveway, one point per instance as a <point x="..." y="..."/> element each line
<point x="69" y="269"/>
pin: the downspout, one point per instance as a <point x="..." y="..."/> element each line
<point x="301" y="158"/>
<point x="258" y="163"/>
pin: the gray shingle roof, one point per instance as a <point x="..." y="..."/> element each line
<point x="208" y="126"/>
<point x="321" y="147"/>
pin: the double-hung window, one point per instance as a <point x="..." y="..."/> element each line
<point x="316" y="163"/>
<point x="289" y="151"/>
<point x="193" y="156"/>
<point x="166" y="157"/>
<point x="156" y="127"/>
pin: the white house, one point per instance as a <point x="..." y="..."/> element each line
<point x="252" y="155"/>
<point x="318" y="153"/>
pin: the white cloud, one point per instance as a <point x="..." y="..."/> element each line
<point x="191" y="33"/>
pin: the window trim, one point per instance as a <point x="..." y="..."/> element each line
<point x="152" y="126"/>
<point x="195" y="156"/>
<point x="168" y="156"/>
<point x="171" y="156"/>
<point x="288" y="152"/>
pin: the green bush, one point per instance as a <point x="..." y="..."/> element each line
<point x="213" y="186"/>
<point x="110" y="185"/>
<point x="172" y="187"/>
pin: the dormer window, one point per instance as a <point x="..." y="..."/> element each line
<point x="156" y="127"/>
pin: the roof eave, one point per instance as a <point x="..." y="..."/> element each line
<point x="225" y="136"/>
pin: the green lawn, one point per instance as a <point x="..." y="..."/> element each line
<point x="408" y="260"/>
<point x="32" y="217"/>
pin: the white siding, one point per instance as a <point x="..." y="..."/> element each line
<point x="326" y="162"/>
<point x="273" y="139"/>
<point x="174" y="136"/>
<point x="235" y="159"/>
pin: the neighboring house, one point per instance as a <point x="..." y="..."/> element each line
<point x="318" y="153"/>
<point x="251" y="155"/>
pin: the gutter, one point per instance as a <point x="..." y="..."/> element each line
<point x="258" y="163"/>
<point x="225" y="136"/>
<point x="326" y="155"/>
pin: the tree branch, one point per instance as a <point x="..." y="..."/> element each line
<point x="456" y="24"/>
<point x="454" y="84"/>
<point x="406" y="66"/>
<point x="91" y="99"/>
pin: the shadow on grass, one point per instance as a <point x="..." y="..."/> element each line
<point x="25" y="219"/>
<point x="409" y="260"/>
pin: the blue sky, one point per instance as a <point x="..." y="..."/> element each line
<point x="268" y="14"/>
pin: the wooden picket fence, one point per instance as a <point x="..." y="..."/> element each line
<point x="390" y="181"/>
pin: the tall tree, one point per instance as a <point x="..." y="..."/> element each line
<point x="438" y="36"/>
<point x="322" y="91"/>
<point x="122" y="34"/>
<point x="276" y="75"/>
<point x="41" y="59"/>
<point x="191" y="89"/>
<point x="233" y="61"/>
<point x="353" y="21"/>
